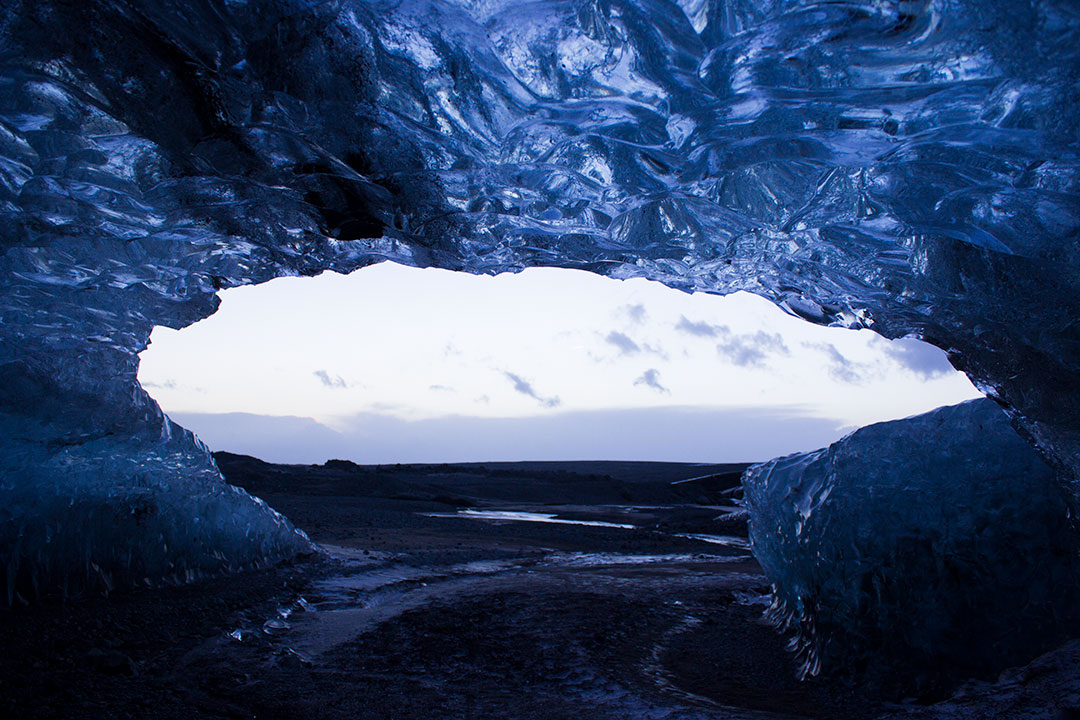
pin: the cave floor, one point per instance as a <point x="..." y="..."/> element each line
<point x="410" y="615"/>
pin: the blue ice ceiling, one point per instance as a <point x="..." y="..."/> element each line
<point x="906" y="166"/>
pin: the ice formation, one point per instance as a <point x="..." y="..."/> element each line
<point x="902" y="165"/>
<point x="919" y="551"/>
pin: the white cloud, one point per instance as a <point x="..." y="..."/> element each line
<point x="525" y="388"/>
<point x="701" y="329"/>
<point x="651" y="378"/>
<point x="920" y="358"/>
<point x="330" y="381"/>
<point x="669" y="434"/>
<point x="637" y="314"/>
<point x="624" y="343"/>
<point x="752" y="350"/>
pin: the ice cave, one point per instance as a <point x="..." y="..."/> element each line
<point x="907" y="166"/>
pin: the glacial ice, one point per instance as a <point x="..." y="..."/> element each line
<point x="103" y="512"/>
<point x="919" y="551"/>
<point x="907" y="165"/>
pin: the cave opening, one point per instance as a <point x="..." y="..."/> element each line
<point x="903" y="166"/>
<point x="398" y="364"/>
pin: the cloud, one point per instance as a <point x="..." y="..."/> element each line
<point x="840" y="368"/>
<point x="441" y="388"/>
<point x="286" y="439"/>
<point x="330" y="381"/>
<point x="173" y="385"/>
<point x="387" y="407"/>
<point x="701" y="329"/>
<point x="920" y="358"/>
<point x="651" y="378"/>
<point x="524" y="387"/>
<point x="752" y="350"/>
<point x="745" y="350"/>
<point x="625" y="345"/>
<point x="636" y="313"/>
<point x="673" y="434"/>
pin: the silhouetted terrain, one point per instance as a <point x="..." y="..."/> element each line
<point x="466" y="484"/>
<point x="390" y="507"/>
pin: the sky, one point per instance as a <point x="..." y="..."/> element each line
<point x="397" y="364"/>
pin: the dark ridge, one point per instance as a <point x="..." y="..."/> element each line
<point x="466" y="484"/>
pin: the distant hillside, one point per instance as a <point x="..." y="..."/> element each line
<point x="466" y="484"/>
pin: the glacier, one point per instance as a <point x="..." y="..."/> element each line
<point x="919" y="551"/>
<point x="908" y="166"/>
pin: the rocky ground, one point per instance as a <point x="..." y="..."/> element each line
<point x="419" y="611"/>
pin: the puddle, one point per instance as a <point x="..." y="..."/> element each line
<point x="602" y="559"/>
<point x="725" y="540"/>
<point x="527" y="517"/>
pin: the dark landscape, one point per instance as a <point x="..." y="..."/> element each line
<point x="630" y="592"/>
<point x="415" y="613"/>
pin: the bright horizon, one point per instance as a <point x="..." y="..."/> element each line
<point x="398" y="364"/>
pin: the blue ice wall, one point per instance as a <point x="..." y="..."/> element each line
<point x="905" y="166"/>
<point x="918" y="552"/>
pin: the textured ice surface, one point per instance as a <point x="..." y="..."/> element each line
<point x="925" y="549"/>
<point x="103" y="512"/>
<point x="909" y="166"/>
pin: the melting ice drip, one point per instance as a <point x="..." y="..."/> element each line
<point x="908" y="166"/>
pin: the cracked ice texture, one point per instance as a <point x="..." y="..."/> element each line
<point x="922" y="550"/>
<point x="906" y="166"/>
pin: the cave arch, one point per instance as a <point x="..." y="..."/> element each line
<point x="904" y="167"/>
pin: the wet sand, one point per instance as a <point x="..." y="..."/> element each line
<point x="647" y="606"/>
